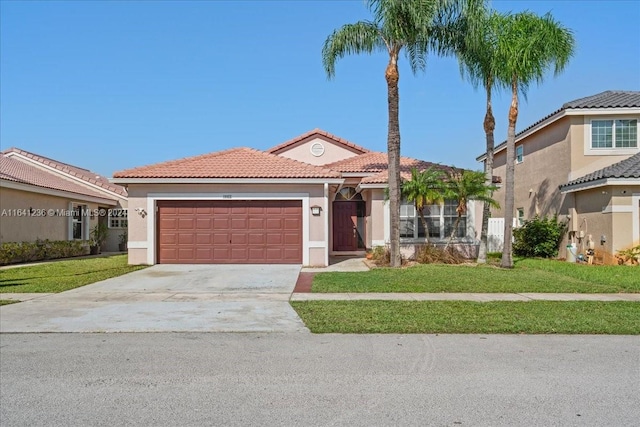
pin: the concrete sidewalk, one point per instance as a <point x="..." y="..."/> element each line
<point x="477" y="297"/>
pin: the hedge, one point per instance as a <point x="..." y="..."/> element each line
<point x="15" y="252"/>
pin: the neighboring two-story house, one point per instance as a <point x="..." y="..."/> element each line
<point x="582" y="163"/>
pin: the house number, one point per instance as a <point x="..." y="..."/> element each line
<point x="226" y="196"/>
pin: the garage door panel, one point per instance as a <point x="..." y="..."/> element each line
<point x="186" y="239"/>
<point x="230" y="231"/>
<point x="186" y="223"/>
<point x="292" y="224"/>
<point x="204" y="223"/>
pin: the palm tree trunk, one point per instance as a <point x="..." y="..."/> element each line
<point x="489" y="126"/>
<point x="507" y="260"/>
<point x="424" y="225"/>
<point x="393" y="151"/>
<point x="453" y="233"/>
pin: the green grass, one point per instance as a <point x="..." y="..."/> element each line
<point x="63" y="275"/>
<point x="534" y="317"/>
<point x="7" y="301"/>
<point x="529" y="275"/>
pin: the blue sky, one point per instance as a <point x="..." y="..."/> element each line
<point x="117" y="84"/>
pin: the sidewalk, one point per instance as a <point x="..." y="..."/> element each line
<point x="477" y="297"/>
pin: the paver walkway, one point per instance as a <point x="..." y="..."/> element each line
<point x="478" y="297"/>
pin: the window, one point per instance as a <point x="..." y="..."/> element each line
<point x="519" y="153"/>
<point x="118" y="218"/>
<point x="439" y="218"/>
<point x="520" y="217"/>
<point x="78" y="222"/>
<point x="614" y="133"/>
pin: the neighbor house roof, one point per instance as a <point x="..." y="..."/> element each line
<point x="607" y="99"/>
<point x="233" y="163"/>
<point x="316" y="132"/>
<point x="17" y="170"/>
<point x="625" y="169"/>
<point x="65" y="168"/>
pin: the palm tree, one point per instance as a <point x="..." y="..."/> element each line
<point x="415" y="26"/>
<point x="478" y="62"/>
<point x="423" y="189"/>
<point x="465" y="185"/>
<point x="527" y="45"/>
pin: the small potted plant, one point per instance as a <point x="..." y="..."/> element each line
<point x="98" y="237"/>
<point x="122" y="243"/>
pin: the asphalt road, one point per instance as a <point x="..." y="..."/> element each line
<point x="188" y="379"/>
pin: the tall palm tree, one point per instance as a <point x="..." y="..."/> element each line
<point x="415" y="26"/>
<point x="478" y="62"/>
<point x="423" y="189"/>
<point x="465" y="185"/>
<point x="527" y="46"/>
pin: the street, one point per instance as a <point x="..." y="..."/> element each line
<point x="197" y="379"/>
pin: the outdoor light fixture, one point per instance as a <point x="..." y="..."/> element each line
<point x="315" y="210"/>
<point x="141" y="212"/>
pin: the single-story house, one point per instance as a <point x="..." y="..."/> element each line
<point x="313" y="196"/>
<point x="45" y="199"/>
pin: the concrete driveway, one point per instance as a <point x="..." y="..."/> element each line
<point x="168" y="298"/>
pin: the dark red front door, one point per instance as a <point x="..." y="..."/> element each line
<point x="345" y="236"/>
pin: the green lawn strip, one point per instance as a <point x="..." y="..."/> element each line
<point x="614" y="275"/>
<point x="465" y="317"/>
<point x="526" y="277"/>
<point x="63" y="275"/>
<point x="7" y="301"/>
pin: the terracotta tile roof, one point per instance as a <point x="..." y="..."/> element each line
<point x="73" y="171"/>
<point x="17" y="170"/>
<point x="376" y="163"/>
<point x="316" y="132"/>
<point x="628" y="168"/>
<point x="233" y="163"/>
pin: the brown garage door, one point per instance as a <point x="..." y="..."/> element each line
<point x="229" y="232"/>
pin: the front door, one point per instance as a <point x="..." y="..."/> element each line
<point x="345" y="232"/>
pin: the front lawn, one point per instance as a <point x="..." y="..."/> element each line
<point x="529" y="275"/>
<point x="61" y="276"/>
<point x="452" y="317"/>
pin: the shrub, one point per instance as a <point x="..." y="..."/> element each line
<point x="15" y="252"/>
<point x="429" y="254"/>
<point x="539" y="237"/>
<point x="381" y="255"/>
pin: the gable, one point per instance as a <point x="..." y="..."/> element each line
<point x="318" y="151"/>
<point x="318" y="147"/>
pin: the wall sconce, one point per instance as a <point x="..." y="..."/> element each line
<point x="603" y="239"/>
<point x="315" y="210"/>
<point x="141" y="212"/>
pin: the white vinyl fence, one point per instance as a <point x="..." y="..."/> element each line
<point x="495" y="234"/>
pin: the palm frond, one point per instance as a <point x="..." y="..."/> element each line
<point x="361" y="37"/>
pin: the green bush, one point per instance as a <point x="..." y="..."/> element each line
<point x="539" y="237"/>
<point x="15" y="252"/>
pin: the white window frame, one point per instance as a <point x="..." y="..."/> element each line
<point x="441" y="220"/>
<point x="121" y="222"/>
<point x="589" y="150"/>
<point x="83" y="221"/>
<point x="520" y="216"/>
<point x="519" y="154"/>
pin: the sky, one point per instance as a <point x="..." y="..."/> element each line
<point x="111" y="85"/>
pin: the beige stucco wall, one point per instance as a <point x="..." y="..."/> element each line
<point x="31" y="228"/>
<point x="138" y="200"/>
<point x="546" y="164"/>
<point x="377" y="216"/>
<point x="332" y="152"/>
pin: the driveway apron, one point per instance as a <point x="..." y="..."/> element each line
<point x="168" y="298"/>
